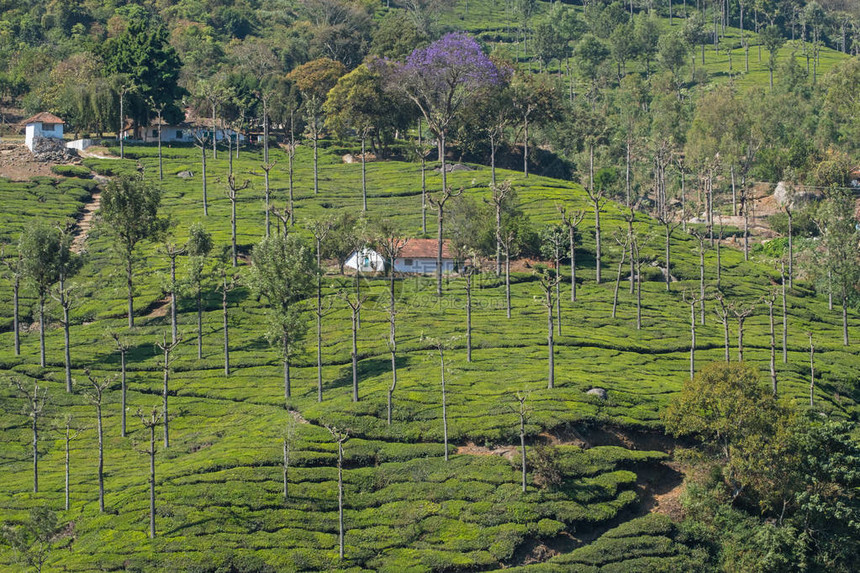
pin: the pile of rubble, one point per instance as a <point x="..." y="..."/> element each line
<point x="49" y="150"/>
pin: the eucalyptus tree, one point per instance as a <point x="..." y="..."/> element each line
<point x="548" y="281"/>
<point x="122" y="346"/>
<point x="438" y="202"/>
<point x="150" y="422"/>
<point x="440" y="346"/>
<point x="354" y="301"/>
<point x="69" y="433"/>
<point x="596" y="191"/>
<point x="68" y="263"/>
<point x="35" y="403"/>
<point x="40" y="248"/>
<point x="129" y="214"/>
<point x="522" y="411"/>
<point x="502" y="196"/>
<point x="722" y="311"/>
<point x="769" y="299"/>
<point x="840" y="238"/>
<point x="691" y="299"/>
<point x="811" y="371"/>
<point x="95" y="396"/>
<point x="571" y="220"/>
<point x="554" y="246"/>
<point x="232" y="193"/>
<point x="198" y="247"/>
<point x="172" y="251"/>
<point x="623" y="240"/>
<point x="227" y="284"/>
<point x="340" y="437"/>
<point x="201" y="139"/>
<point x="167" y="349"/>
<point x="283" y="272"/>
<point x="391" y="243"/>
<point x="741" y="313"/>
<point x="216" y="94"/>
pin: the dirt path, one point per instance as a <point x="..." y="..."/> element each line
<point x="85" y="223"/>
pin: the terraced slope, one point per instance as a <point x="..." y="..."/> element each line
<point x="219" y="485"/>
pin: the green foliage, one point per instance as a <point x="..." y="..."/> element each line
<point x="71" y="171"/>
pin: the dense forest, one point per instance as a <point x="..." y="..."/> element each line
<point x="646" y="360"/>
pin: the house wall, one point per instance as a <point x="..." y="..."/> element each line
<point x="422" y="265"/>
<point x="34" y="130"/>
<point x="170" y="133"/>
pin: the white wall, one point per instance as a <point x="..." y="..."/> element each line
<point x="422" y="266"/>
<point x="35" y="130"/>
<point x="79" y="144"/>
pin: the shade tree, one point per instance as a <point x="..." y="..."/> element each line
<point x="40" y="250"/>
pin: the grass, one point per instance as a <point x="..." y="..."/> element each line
<point x="218" y="485"/>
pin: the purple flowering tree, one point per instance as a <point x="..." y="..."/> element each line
<point x="440" y="78"/>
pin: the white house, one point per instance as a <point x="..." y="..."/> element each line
<point x="45" y="125"/>
<point x="183" y="132"/>
<point x="419" y="257"/>
<point x="366" y="260"/>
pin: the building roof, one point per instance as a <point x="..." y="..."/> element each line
<point x="425" y="249"/>
<point x="44" y="117"/>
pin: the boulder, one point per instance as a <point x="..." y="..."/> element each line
<point x="51" y="150"/>
<point x="599" y="392"/>
<point x="185" y="174"/>
<point x="451" y="167"/>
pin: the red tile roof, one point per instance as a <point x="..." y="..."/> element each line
<point x="44" y="117"/>
<point x="425" y="249"/>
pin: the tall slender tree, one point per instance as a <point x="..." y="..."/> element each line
<point x="95" y="396"/>
<point x="35" y="403"/>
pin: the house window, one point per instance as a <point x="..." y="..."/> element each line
<point x="407" y="262"/>
<point x="178" y="134"/>
<point x="154" y="133"/>
<point x="47" y="127"/>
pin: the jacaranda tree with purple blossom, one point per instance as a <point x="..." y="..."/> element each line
<point x="440" y="78"/>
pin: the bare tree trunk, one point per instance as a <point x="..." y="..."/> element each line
<point x="702" y="281"/>
<point x="444" y="406"/>
<point x="66" y="490"/>
<point x="123" y="390"/>
<point x="42" y="330"/>
<point x="233" y="228"/>
<point x="692" y="339"/>
<point x="638" y="290"/>
<point x="363" y="172"/>
<point x="203" y="169"/>
<point x="173" y="297"/>
<point x="35" y="427"/>
<point x="226" y="332"/>
<point x="286" y="469"/>
<point x="784" y="321"/>
<point x="199" y="326"/>
<point x="772" y="346"/>
<point x="468" y="318"/>
<point x="790" y="250"/>
<point x="844" y="317"/>
<point x="423" y="182"/>
<point x="319" y="320"/>
<point x="741" y="339"/>
<point x="597" y="240"/>
<point x="128" y="279"/>
<point x="152" y="481"/>
<point x="340" y="535"/>
<point x="829" y="290"/>
<point x="572" y="240"/>
<point x="618" y="279"/>
<point x="668" y="260"/>
<point x="164" y="397"/>
<point x="66" y="342"/>
<point x="16" y="321"/>
<point x="287" y="389"/>
<point x="549" y="340"/>
<point x="526" y="146"/>
<point x="316" y="158"/>
<point x="508" y="280"/>
<point x="354" y="354"/>
<point x="101" y="457"/>
<point x="811" y="373"/>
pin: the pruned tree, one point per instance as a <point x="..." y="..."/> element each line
<point x="95" y="396"/>
<point x="129" y="213"/>
<point x="172" y="251"/>
<point x="500" y="196"/>
<point x="201" y="140"/>
<point x="167" y="349"/>
<point x="354" y="301"/>
<point x="198" y="247"/>
<point x="122" y="346"/>
<point x="232" y="192"/>
<point x="555" y="243"/>
<point x="811" y="371"/>
<point x="722" y="311"/>
<point x="670" y="221"/>
<point x="522" y="411"/>
<point x="68" y="263"/>
<point x="439" y="346"/>
<point x="623" y="240"/>
<point x="68" y="432"/>
<point x="283" y="272"/>
<point x="784" y="317"/>
<point x="320" y="229"/>
<point x="34" y="407"/>
<point x="548" y="281"/>
<point x="691" y="299"/>
<point x="391" y="243"/>
<point x="468" y="271"/>
<point x="438" y="202"/>
<point x="636" y="258"/>
<point x="510" y="247"/>
<point x="571" y="220"/>
<point x="40" y="250"/>
<point x="225" y="287"/>
<point x="340" y="437"/>
<point x="598" y="199"/>
<point x="769" y="299"/>
<point x="741" y="313"/>
<point x="149" y="422"/>
<point x="700" y="237"/>
<point x="14" y="272"/>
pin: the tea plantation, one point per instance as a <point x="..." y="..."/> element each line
<point x="220" y="503"/>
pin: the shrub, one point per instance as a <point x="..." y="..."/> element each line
<point x="71" y="171"/>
